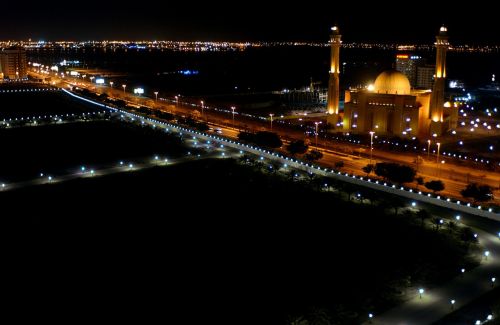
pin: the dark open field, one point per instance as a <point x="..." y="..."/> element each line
<point x="27" y="104"/>
<point x="216" y="242"/>
<point x="58" y="149"/>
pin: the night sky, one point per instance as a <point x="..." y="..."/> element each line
<point x="400" y="21"/>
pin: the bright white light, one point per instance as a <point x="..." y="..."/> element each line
<point x="99" y="81"/>
<point x="139" y="91"/>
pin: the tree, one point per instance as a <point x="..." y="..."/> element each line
<point x="292" y="174"/>
<point x="479" y="193"/>
<point x="298" y="321"/>
<point x="395" y="172"/>
<point x="437" y="222"/>
<point x="435" y="186"/>
<point x="339" y="165"/>
<point x="423" y="215"/>
<point x="274" y="167"/>
<point x="467" y="236"/>
<point x="202" y="127"/>
<point x="313" y="155"/>
<point x="245" y="136"/>
<point x="244" y="158"/>
<point x="268" y="139"/>
<point x="262" y="139"/>
<point x="368" y="169"/>
<point x="420" y="181"/>
<point x="297" y="147"/>
<point x="396" y="203"/>
<point x="452" y="226"/>
<point x="311" y="176"/>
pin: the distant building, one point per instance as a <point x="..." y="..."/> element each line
<point x="13" y="63"/>
<point x="425" y="76"/>
<point x="408" y="64"/>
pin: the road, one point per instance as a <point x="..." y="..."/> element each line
<point x="455" y="177"/>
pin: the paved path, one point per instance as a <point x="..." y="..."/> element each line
<point x="436" y="303"/>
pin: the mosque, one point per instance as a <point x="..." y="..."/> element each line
<point x="390" y="106"/>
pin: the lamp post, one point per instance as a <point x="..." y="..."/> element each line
<point x="371" y="145"/>
<point x="156" y="96"/>
<point x="202" y="108"/>
<point x="111" y="83"/>
<point x="177" y="100"/>
<point x="437" y="156"/>
<point x="271" y="115"/>
<point x="124" y="86"/>
<point x="428" y="149"/>
<point x="420" y="292"/>
<point x="452" y="303"/>
<point x="233" y="108"/>
<point x="316" y="133"/>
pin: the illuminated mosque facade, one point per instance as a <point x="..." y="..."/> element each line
<point x="390" y="106"/>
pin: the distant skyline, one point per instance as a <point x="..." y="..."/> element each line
<point x="252" y="21"/>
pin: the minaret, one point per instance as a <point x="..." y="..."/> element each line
<point x="333" y="85"/>
<point x="437" y="98"/>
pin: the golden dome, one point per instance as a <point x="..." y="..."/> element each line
<point x="392" y="82"/>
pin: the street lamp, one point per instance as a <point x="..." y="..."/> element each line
<point x="124" y="86"/>
<point x="370" y="316"/>
<point x="156" y="95"/>
<point x="202" y="108"/>
<point x="428" y="149"/>
<point x="316" y="134"/>
<point x="420" y="292"/>
<point x="111" y="83"/>
<point x="452" y="303"/>
<point x="271" y="115"/>
<point x="437" y="156"/>
<point x="493" y="281"/>
<point x="371" y="145"/>
<point x="233" y="108"/>
<point x="486" y="254"/>
<point x="177" y="100"/>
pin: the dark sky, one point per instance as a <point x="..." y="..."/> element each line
<point x="247" y="20"/>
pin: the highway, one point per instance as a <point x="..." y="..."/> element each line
<point x="454" y="176"/>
